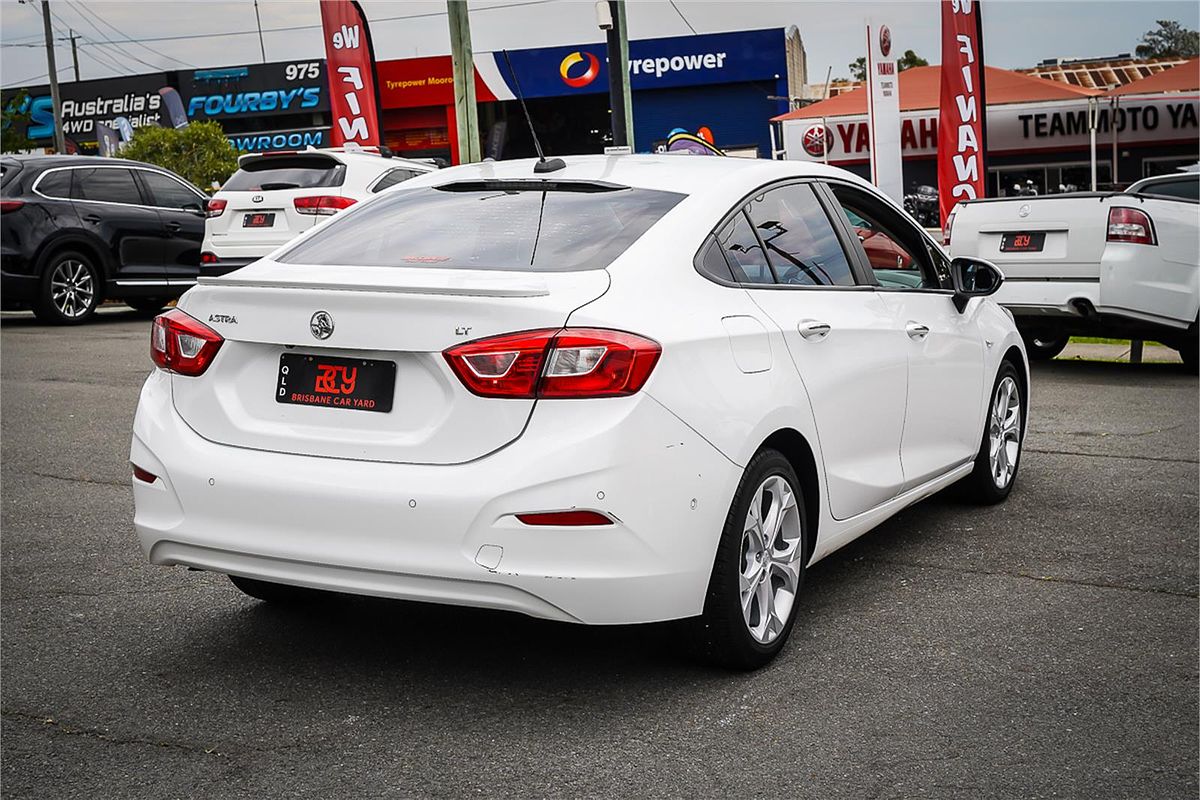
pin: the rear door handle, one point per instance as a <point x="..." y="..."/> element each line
<point x="916" y="330"/>
<point x="812" y="329"/>
<point x="93" y="218"/>
<point x="173" y="226"/>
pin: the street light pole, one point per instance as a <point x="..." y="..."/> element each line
<point x="466" y="114"/>
<point x="262" y="48"/>
<point x="620" y="97"/>
<point x="60" y="143"/>
<point x="75" y="54"/>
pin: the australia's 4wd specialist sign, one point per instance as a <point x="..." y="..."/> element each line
<point x="86" y="103"/>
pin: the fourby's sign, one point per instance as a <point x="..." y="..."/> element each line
<point x="351" y="68"/>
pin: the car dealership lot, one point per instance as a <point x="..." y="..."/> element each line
<point x="1044" y="647"/>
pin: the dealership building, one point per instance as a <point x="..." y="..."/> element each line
<point x="730" y="83"/>
<point x="1038" y="130"/>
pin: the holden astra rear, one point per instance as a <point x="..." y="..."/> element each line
<point x="630" y="390"/>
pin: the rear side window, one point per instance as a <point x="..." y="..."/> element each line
<point x="746" y="257"/>
<point x="1184" y="188"/>
<point x="286" y="172"/>
<point x="166" y="192"/>
<point x="56" y="184"/>
<point x="110" y="184"/>
<point x="392" y="177"/>
<point x="799" y="238"/>
<point x="538" y="226"/>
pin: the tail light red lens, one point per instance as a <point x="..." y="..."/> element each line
<point x="183" y="344"/>
<point x="1130" y="225"/>
<point x="570" y="518"/>
<point x="143" y="475"/>
<point x="215" y="207"/>
<point x="208" y="258"/>
<point x="322" y="205"/>
<point x="559" y="363"/>
<point x="949" y="226"/>
<point x="9" y="206"/>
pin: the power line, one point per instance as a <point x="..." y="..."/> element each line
<point x="104" y="39"/>
<point x="681" y="16"/>
<point x="82" y="9"/>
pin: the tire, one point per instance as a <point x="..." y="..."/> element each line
<point x="268" y="592"/>
<point x="147" y="306"/>
<point x="1189" y="351"/>
<point x="983" y="486"/>
<point x="69" y="289"/>
<point x="1044" y="345"/>
<point x="725" y="634"/>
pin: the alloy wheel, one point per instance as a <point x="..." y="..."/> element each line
<point x="1004" y="432"/>
<point x="770" y="564"/>
<point x="72" y="288"/>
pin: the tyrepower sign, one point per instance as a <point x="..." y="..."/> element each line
<point x="962" y="173"/>
<point x="351" y="62"/>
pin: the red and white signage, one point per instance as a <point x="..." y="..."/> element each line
<point x="962" y="174"/>
<point x="883" y="112"/>
<point x="352" y="98"/>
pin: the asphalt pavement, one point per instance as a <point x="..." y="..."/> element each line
<point x="1046" y="647"/>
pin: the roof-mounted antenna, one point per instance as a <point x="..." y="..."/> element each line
<point x="542" y="165"/>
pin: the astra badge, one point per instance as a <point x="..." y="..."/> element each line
<point x="1024" y="210"/>
<point x="321" y="325"/>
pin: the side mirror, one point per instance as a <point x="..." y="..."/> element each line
<point x="973" y="277"/>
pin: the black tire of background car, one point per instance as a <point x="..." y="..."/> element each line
<point x="44" y="308"/>
<point x="978" y="487"/>
<point x="1189" y="351"/>
<point x="720" y="635"/>
<point x="268" y="592"/>
<point x="147" y="306"/>
<point x="1043" y="345"/>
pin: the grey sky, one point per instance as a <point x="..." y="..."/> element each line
<point x="1017" y="33"/>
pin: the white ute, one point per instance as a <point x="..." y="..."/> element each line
<point x="1121" y="264"/>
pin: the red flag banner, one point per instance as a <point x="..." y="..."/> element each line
<point x="353" y="98"/>
<point x="962" y="130"/>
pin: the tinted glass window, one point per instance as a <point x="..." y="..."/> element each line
<point x="710" y="261"/>
<point x="392" y="177"/>
<point x="166" y="192"/>
<point x="1186" y="188"/>
<point x="285" y="172"/>
<point x="56" y="184"/>
<point x="501" y="225"/>
<point x="898" y="254"/>
<point x="746" y="256"/>
<point x="109" y="184"/>
<point x="800" y="240"/>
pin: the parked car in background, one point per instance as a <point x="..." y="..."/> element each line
<point x="274" y="197"/>
<point x="1124" y="264"/>
<point x="631" y="389"/>
<point x="77" y="230"/>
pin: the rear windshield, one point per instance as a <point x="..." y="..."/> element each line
<point x="495" y="225"/>
<point x="285" y="172"/>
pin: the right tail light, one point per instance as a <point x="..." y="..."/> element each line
<point x="1130" y="225"/>
<point x="183" y="344"/>
<point x="554" y="362"/>
<point x="215" y="207"/>
<point x="322" y="205"/>
<point x="949" y="226"/>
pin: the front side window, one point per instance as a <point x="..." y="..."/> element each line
<point x="897" y="252"/>
<point x="109" y="184"/>
<point x="801" y="243"/>
<point x="166" y="192"/>
<point x="525" y="225"/>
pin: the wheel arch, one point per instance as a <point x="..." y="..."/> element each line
<point x="796" y="449"/>
<point x="84" y="245"/>
<point x="1014" y="355"/>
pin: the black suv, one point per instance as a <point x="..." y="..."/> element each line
<point x="76" y="230"/>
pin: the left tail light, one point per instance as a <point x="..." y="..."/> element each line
<point x="556" y="363"/>
<point x="9" y="206"/>
<point x="949" y="226"/>
<point x="182" y="344"/>
<point x="208" y="258"/>
<point x="322" y="205"/>
<point x="1130" y="225"/>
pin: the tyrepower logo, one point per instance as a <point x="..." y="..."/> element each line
<point x="580" y="79"/>
<point x="665" y="64"/>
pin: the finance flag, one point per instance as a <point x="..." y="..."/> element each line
<point x="353" y="94"/>
<point x="962" y="124"/>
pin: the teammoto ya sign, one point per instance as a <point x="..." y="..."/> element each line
<point x="353" y="99"/>
<point x="962" y="173"/>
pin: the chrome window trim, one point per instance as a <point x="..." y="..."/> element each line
<point x="34" y="188"/>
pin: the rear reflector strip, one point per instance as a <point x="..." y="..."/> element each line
<point x="573" y="518"/>
<point x="142" y="475"/>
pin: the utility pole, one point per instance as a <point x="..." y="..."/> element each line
<point x="75" y="54"/>
<point x="620" y="97"/>
<point x="466" y="112"/>
<point x="60" y="143"/>
<point x="261" y="47"/>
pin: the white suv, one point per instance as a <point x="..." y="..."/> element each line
<point x="273" y="197"/>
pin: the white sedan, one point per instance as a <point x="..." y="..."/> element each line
<point x="636" y="388"/>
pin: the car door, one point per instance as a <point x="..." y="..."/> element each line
<point x="110" y="205"/>
<point x="180" y="211"/>
<point x="782" y="247"/>
<point x="946" y="385"/>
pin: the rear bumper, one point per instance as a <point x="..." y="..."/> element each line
<point x="1049" y="298"/>
<point x="447" y="534"/>
<point x="224" y="266"/>
<point x="17" y="289"/>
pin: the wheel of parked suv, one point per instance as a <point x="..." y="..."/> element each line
<point x="149" y="306"/>
<point x="69" y="291"/>
<point x="272" y="592"/>
<point x="1000" y="451"/>
<point x="1189" y="348"/>
<point x="1044" y="346"/>
<point x="751" y="602"/>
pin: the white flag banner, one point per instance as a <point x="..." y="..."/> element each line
<point x="883" y="111"/>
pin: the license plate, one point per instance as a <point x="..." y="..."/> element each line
<point x="261" y="220"/>
<point x="1023" y="242"/>
<point x="356" y="384"/>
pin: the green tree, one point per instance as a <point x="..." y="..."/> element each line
<point x="1171" y="40"/>
<point x="14" y="121"/>
<point x="858" y="69"/>
<point x="198" y="151"/>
